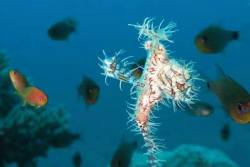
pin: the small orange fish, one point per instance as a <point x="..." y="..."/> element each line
<point x="241" y="112"/>
<point x="214" y="39"/>
<point x="234" y="98"/>
<point x="34" y="97"/>
<point x="18" y="80"/>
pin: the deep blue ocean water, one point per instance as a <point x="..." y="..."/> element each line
<point x="58" y="67"/>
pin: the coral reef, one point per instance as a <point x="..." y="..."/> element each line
<point x="27" y="133"/>
<point x="188" y="156"/>
<point x="8" y="100"/>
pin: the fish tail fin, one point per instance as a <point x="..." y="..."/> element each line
<point x="243" y="34"/>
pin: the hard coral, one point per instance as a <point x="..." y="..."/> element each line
<point x="26" y="134"/>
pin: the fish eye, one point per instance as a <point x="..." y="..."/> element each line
<point x="204" y="39"/>
<point x="239" y="106"/>
<point x="40" y="98"/>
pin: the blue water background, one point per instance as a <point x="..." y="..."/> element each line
<point x="58" y="67"/>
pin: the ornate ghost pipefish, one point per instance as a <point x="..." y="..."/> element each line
<point x="163" y="80"/>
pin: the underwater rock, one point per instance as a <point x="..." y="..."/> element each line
<point x="188" y="156"/>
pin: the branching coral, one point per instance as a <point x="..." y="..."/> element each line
<point x="26" y="134"/>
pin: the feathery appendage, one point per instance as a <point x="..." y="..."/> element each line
<point x="115" y="68"/>
<point x="147" y="30"/>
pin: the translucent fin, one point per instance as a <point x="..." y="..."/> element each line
<point x="220" y="71"/>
